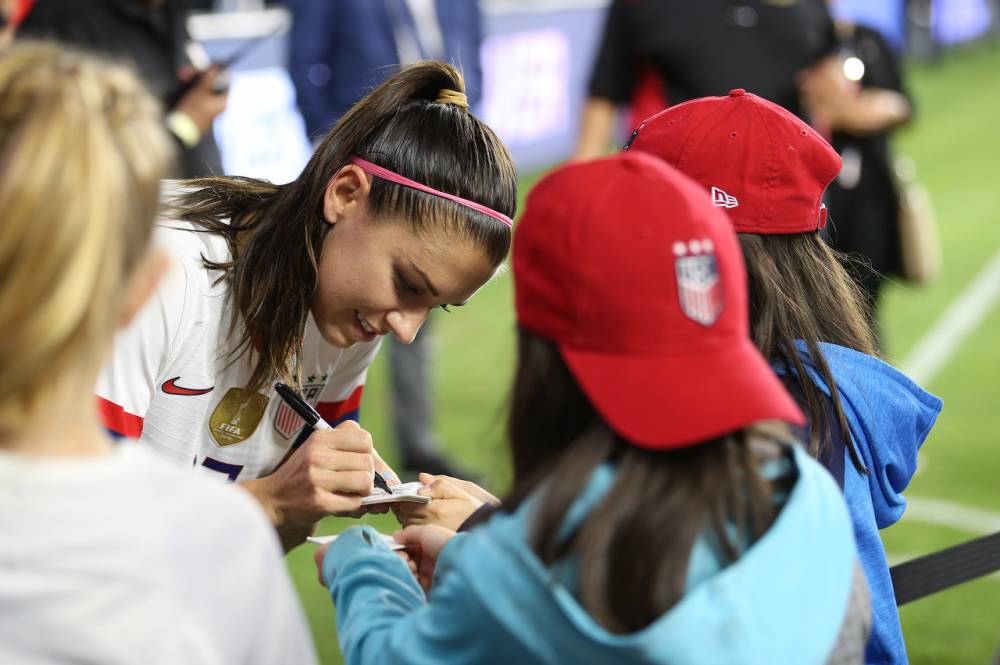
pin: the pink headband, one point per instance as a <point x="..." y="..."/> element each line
<point x="386" y="174"/>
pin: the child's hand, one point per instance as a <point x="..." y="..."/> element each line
<point x="449" y="508"/>
<point x="411" y="563"/>
<point x="423" y="545"/>
<point x="470" y="487"/>
<point x="318" y="557"/>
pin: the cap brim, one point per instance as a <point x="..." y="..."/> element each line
<point x="675" y="401"/>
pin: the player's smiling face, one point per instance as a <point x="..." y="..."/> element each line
<point x="380" y="277"/>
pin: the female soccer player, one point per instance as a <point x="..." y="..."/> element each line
<point x="769" y="170"/>
<point x="405" y="206"/>
<point x="657" y="516"/>
<point x="108" y="554"/>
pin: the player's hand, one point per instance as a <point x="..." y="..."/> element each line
<point x="391" y="479"/>
<point x="203" y="102"/>
<point x="423" y="545"/>
<point x="328" y="475"/>
<point x="450" y="506"/>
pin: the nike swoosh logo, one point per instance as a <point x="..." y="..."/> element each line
<point x="171" y="388"/>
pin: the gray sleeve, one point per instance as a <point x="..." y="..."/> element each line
<point x="849" y="648"/>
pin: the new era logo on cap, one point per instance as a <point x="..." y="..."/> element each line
<point x="721" y="199"/>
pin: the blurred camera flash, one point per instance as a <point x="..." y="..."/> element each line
<point x="854" y="69"/>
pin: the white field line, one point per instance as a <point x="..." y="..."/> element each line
<point x="949" y="514"/>
<point x="962" y="316"/>
<point x="933" y="351"/>
<point x="953" y="515"/>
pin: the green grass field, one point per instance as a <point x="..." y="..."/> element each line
<point x="955" y="145"/>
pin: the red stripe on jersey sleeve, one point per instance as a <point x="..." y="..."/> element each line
<point x="118" y="420"/>
<point x="333" y="411"/>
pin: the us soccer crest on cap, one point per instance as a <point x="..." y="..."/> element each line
<point x="698" y="280"/>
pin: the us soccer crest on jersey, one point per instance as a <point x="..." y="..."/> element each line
<point x="286" y="421"/>
<point x="698" y="283"/>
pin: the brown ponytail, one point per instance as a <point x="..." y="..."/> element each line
<point x="276" y="232"/>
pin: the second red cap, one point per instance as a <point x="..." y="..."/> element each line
<point x="760" y="162"/>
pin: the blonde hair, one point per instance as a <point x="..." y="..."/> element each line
<point x="82" y="150"/>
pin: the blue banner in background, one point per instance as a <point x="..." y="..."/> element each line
<point x="536" y="68"/>
<point x="886" y="16"/>
<point x="954" y="21"/>
<point x="951" y="21"/>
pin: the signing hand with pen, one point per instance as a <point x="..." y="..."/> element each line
<point x="328" y="475"/>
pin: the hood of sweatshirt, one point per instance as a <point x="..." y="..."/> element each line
<point x="889" y="416"/>
<point x="754" y="610"/>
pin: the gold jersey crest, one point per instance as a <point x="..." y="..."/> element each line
<point x="236" y="416"/>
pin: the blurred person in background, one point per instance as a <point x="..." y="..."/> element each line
<point x="108" y="554"/>
<point x="341" y="49"/>
<point x="660" y="52"/>
<point x="660" y="513"/>
<point x="151" y="35"/>
<point x="860" y="98"/>
<point x="11" y="14"/>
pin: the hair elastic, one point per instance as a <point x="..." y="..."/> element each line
<point x="446" y="96"/>
<point x="386" y="174"/>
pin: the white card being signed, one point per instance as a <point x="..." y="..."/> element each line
<point x="404" y="492"/>
<point x="388" y="540"/>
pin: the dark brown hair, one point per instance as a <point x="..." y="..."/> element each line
<point x="799" y="290"/>
<point x="276" y="232"/>
<point x="634" y="547"/>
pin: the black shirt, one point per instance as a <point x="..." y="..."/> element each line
<point x="150" y="36"/>
<point x="863" y="201"/>
<point x="709" y="47"/>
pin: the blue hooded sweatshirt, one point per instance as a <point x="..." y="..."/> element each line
<point x="493" y="601"/>
<point x="889" y="417"/>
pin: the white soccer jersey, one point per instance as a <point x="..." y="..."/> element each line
<point x="172" y="384"/>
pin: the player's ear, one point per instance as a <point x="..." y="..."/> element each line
<point x="145" y="277"/>
<point x="346" y="189"/>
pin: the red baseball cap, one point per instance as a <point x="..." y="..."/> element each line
<point x="760" y="162"/>
<point x="640" y="282"/>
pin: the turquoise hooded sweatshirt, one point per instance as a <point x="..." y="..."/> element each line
<point x="493" y="601"/>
